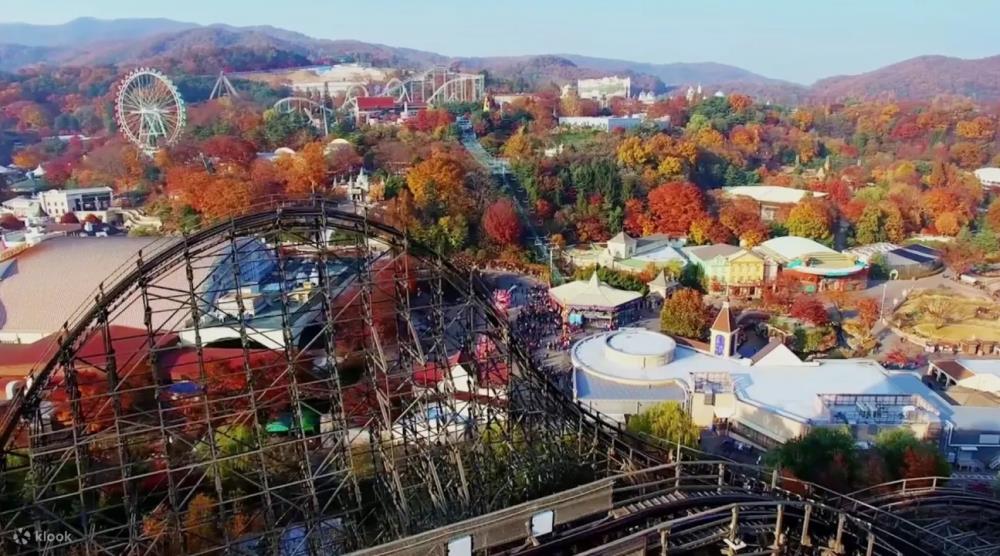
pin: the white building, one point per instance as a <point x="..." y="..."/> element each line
<point x="604" y="88"/>
<point x="90" y="200"/>
<point x="22" y="207"/>
<point x="612" y="123"/>
<point x="624" y="252"/>
<point x="989" y="177"/>
<point x="765" y="400"/>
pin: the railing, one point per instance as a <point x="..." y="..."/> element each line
<point x="922" y="485"/>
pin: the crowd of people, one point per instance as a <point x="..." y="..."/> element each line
<point x="538" y="317"/>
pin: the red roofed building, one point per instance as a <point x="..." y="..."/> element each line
<point x="376" y="109"/>
<point x="370" y="104"/>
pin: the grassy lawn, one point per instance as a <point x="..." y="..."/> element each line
<point x="570" y="137"/>
<point x="977" y="329"/>
<point x="948" y="317"/>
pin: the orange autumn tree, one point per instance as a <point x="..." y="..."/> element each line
<point x="306" y="172"/>
<point x="674" y="206"/>
<point x="215" y="196"/>
<point x="439" y="179"/>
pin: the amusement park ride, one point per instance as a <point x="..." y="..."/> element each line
<point x="302" y="380"/>
<point x="432" y="87"/>
<point x="149" y="110"/>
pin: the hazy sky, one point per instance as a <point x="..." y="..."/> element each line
<point x="797" y="40"/>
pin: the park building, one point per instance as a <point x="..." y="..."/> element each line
<point x="971" y="387"/>
<point x="763" y="400"/>
<point x="773" y="199"/>
<point x="902" y="262"/>
<point x="731" y="271"/>
<point x="660" y="288"/>
<point x="593" y="302"/>
<point x="604" y="89"/>
<point x="814" y="266"/>
<point x="624" y="252"/>
<point x="84" y="201"/>
<point x="612" y="123"/>
<point x="988" y="177"/>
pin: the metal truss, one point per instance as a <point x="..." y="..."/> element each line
<point x="438" y="86"/>
<point x="302" y="380"/>
<point x="295" y="381"/>
<point x="700" y="506"/>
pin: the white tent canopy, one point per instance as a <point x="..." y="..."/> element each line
<point x="592" y="293"/>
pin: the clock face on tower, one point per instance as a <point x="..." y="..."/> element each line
<point x="720" y="344"/>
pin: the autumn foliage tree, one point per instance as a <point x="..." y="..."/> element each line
<point x="215" y="196"/>
<point x="674" y="206"/>
<point x="809" y="309"/>
<point x="810" y="218"/>
<point x="827" y="456"/>
<point x="868" y="312"/>
<point x="501" y="223"/>
<point x="10" y="222"/>
<point x="908" y="457"/>
<point x="440" y="179"/>
<point x="684" y="314"/>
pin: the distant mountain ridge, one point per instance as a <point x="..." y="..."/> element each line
<point x="86" y="30"/>
<point x="87" y="41"/>
<point x="917" y="78"/>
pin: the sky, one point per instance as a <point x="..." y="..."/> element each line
<point x="795" y="40"/>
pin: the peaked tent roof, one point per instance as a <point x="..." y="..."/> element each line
<point x="623" y="238"/>
<point x="592" y="293"/>
<point x="660" y="280"/>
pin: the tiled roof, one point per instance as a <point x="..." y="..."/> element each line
<point x="953" y="368"/>
<point x="709" y="252"/>
<point x="724" y="321"/>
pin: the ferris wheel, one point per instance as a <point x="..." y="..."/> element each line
<point x="149" y="110"/>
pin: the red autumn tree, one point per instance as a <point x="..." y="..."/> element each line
<point x="740" y="215"/>
<point x="501" y="223"/>
<point x="429" y="120"/>
<point x="673" y="206"/>
<point x="69" y="218"/>
<point x="636" y="220"/>
<point x="961" y="256"/>
<point x="226" y="148"/>
<point x="809" y="309"/>
<point x="868" y="312"/>
<point x="10" y="222"/>
<point x="544" y="209"/>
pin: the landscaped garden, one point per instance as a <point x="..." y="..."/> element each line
<point x="942" y="316"/>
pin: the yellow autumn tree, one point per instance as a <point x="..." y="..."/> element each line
<point x="200" y="528"/>
<point x="632" y="153"/>
<point x="520" y="146"/>
<point x="440" y="178"/>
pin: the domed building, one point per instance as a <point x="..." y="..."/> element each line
<point x="764" y="400"/>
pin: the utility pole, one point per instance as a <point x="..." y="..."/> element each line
<point x="881" y="307"/>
